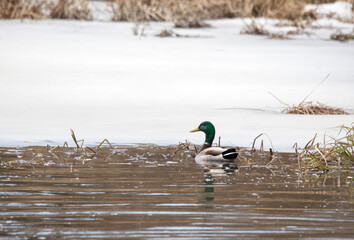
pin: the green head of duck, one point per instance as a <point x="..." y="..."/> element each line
<point x="209" y="130"/>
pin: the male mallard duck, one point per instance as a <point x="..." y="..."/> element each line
<point x="209" y="155"/>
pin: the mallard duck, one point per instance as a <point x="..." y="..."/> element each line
<point x="214" y="156"/>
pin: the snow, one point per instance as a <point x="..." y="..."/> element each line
<point x="101" y="11"/>
<point x="102" y="81"/>
<point x="339" y="9"/>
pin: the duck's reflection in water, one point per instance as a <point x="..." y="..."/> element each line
<point x="210" y="173"/>
<point x="209" y="180"/>
<point x="218" y="167"/>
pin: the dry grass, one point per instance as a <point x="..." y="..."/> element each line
<point x="166" y="33"/>
<point x="342" y="37"/>
<point x="41" y="9"/>
<point x="179" y="12"/>
<point x="186" y="150"/>
<point x="184" y="13"/>
<point x="333" y="154"/>
<point x="191" y="13"/>
<point x="292" y="10"/>
<point x="337" y="153"/>
<point x="278" y="35"/>
<point x="310" y="108"/>
<point x="254" y="28"/>
<point x="170" y="33"/>
<point x="70" y="9"/>
<point x="13" y="9"/>
<point x="191" y="23"/>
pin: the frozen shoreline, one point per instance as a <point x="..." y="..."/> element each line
<point x="104" y="82"/>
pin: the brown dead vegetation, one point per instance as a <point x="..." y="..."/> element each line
<point x="311" y="108"/>
<point x="70" y="9"/>
<point x="41" y="9"/>
<point x="333" y="153"/>
<point x="254" y="28"/>
<point x="317" y="108"/>
<point x="170" y="33"/>
<point x="190" y="10"/>
<point x="12" y="9"/>
<point x="342" y="37"/>
<point x="257" y="28"/>
<point x="184" y="13"/>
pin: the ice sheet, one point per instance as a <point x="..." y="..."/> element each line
<point x="104" y="82"/>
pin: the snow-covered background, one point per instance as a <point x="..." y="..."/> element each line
<point x="102" y="81"/>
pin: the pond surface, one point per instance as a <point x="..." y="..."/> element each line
<point x="148" y="192"/>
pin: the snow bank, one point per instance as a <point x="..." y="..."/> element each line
<point x="104" y="82"/>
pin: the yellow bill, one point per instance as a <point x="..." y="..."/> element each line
<point x="195" y="130"/>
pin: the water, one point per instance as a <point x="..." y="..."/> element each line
<point x="148" y="192"/>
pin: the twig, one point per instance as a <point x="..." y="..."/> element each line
<point x="279" y="99"/>
<point x="315" y="88"/>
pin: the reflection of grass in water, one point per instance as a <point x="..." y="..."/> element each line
<point x="326" y="178"/>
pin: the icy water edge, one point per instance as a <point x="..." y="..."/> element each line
<point x="149" y="192"/>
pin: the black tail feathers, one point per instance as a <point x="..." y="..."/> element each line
<point x="230" y="154"/>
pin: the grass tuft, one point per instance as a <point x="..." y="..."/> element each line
<point x="342" y="37"/>
<point x="166" y="33"/>
<point x="186" y="149"/>
<point x="254" y="28"/>
<point x="170" y="33"/>
<point x="193" y="23"/>
<point x="310" y="108"/>
<point x="329" y="155"/>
